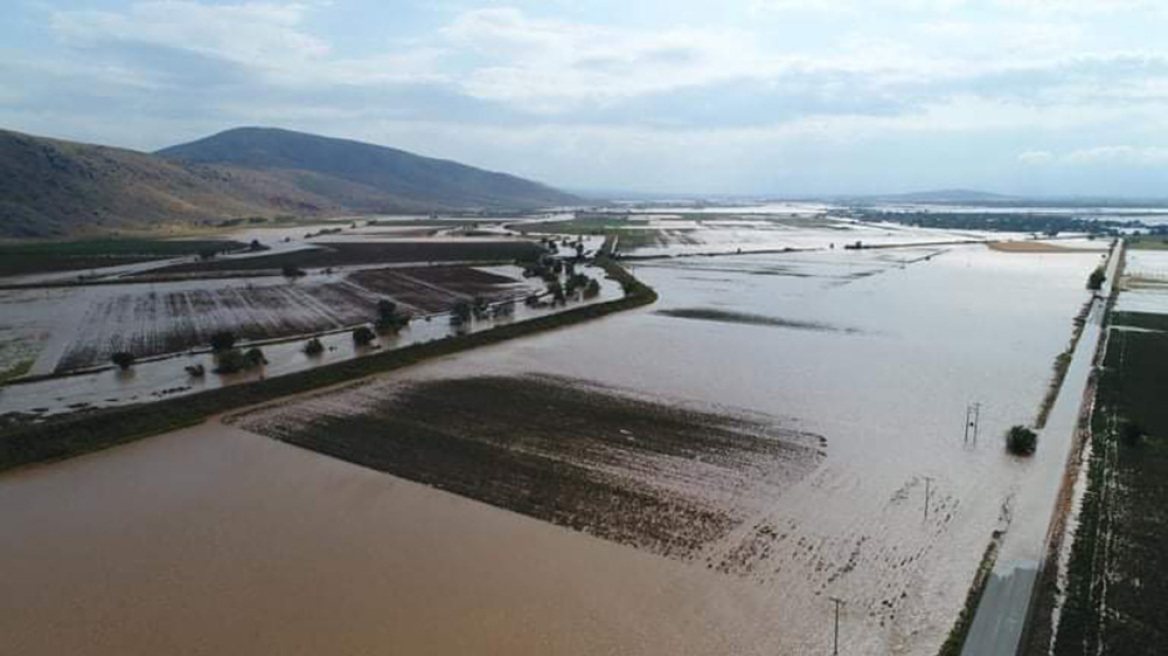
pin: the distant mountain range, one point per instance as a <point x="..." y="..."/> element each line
<point x="945" y="196"/>
<point x="50" y="187"/>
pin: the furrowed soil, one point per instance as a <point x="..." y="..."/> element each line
<point x="658" y="476"/>
<point x="433" y="289"/>
<point x="1117" y="590"/>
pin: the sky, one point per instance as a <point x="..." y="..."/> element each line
<point x="759" y="97"/>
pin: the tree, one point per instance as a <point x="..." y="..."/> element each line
<point x="389" y="319"/>
<point x="386" y="308"/>
<point x="504" y="309"/>
<point x="223" y="340"/>
<point x="255" y="357"/>
<point x="1021" y="441"/>
<point x="196" y="370"/>
<point x="255" y="246"/>
<point x="1095" y="282"/>
<point x="480" y="307"/>
<point x="123" y="359"/>
<point x="461" y="312"/>
<point x="290" y="271"/>
<point x="313" y="347"/>
<point x="556" y="290"/>
<point x="363" y="336"/>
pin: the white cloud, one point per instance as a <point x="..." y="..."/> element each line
<point x="1036" y="157"/>
<point x="265" y="37"/>
<point x="1123" y="155"/>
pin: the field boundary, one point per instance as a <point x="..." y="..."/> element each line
<point x="86" y="432"/>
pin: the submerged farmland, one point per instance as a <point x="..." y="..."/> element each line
<point x="701" y="476"/>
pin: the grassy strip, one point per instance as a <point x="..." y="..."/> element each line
<point x="81" y="433"/>
<point x="1062" y="363"/>
<point x="1148" y="242"/>
<point x="957" y="635"/>
<point x="39" y="257"/>
<point x="16" y="371"/>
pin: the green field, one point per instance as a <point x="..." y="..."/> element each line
<point x="1117" y="592"/>
<point x="18" y="258"/>
<point x="1148" y="242"/>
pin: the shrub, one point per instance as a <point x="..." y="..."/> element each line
<point x="223" y="340"/>
<point x="293" y="272"/>
<point x="313" y="347"/>
<point x="592" y="290"/>
<point x="196" y="370"/>
<point x="1021" y="441"/>
<point x="363" y="336"/>
<point x="123" y="359"/>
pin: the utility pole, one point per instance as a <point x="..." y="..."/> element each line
<point x="928" y="494"/>
<point x="835" y="644"/>
<point x="972" y="422"/>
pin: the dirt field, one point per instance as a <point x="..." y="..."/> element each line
<point x="1032" y="247"/>
<point x="661" y="477"/>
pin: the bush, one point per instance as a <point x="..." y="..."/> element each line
<point x="123" y="359"/>
<point x="1021" y="441"/>
<point x="293" y="272"/>
<point x="1095" y="282"/>
<point x="592" y="290"/>
<point x="363" y="336"/>
<point x="313" y="347"/>
<point x="196" y="370"/>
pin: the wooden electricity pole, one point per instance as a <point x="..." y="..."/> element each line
<point x="835" y="643"/>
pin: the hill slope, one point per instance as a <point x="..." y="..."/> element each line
<point x="364" y="176"/>
<point x="50" y="187"/>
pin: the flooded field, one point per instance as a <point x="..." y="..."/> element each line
<point x="831" y="387"/>
<point x="659" y="476"/>
<point x="150" y="320"/>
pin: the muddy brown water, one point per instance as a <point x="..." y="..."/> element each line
<point x="297" y="554"/>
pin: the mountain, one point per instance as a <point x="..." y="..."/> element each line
<point x="362" y="176"/>
<point x="50" y="187"/>
<point x="948" y="196"/>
